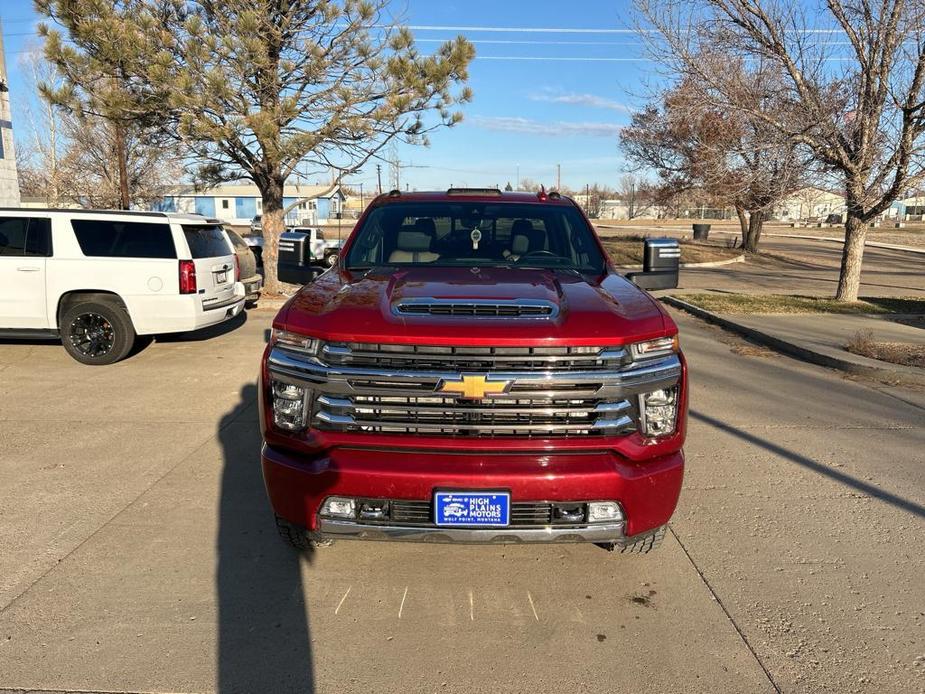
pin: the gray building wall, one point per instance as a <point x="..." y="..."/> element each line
<point x="9" y="180"/>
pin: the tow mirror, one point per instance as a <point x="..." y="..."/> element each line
<point x="293" y="264"/>
<point x="661" y="259"/>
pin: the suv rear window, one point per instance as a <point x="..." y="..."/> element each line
<point x="207" y="241"/>
<point x="103" y="238"/>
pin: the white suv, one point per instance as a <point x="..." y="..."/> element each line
<point x="97" y="279"/>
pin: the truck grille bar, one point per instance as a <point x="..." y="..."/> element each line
<point x="547" y="403"/>
<point x="422" y="357"/>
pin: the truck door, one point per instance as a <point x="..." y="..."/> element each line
<point x="25" y="245"/>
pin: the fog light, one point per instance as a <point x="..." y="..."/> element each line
<point x="603" y="511"/>
<point x="659" y="411"/>
<point x="288" y="406"/>
<point x="338" y="507"/>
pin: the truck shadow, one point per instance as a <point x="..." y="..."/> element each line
<point x="263" y="626"/>
<point x="810" y="464"/>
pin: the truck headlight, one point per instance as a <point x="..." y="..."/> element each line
<point x="289" y="405"/>
<point x="295" y="341"/>
<point x="659" y="347"/>
<point x="658" y="411"/>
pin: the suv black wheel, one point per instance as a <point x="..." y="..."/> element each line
<point x="97" y="331"/>
<point x="330" y="260"/>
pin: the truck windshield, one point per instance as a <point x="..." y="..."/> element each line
<point x="476" y="234"/>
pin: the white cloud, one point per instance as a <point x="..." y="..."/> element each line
<point x="592" y="100"/>
<point x="525" y="125"/>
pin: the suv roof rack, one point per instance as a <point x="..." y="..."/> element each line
<point x="473" y="191"/>
<point x="82" y="210"/>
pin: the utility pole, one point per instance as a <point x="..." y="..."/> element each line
<point x="517" y="185"/>
<point x="587" y="199"/>
<point x="379" y="176"/>
<point x="361" y="197"/>
<point x="558" y="177"/>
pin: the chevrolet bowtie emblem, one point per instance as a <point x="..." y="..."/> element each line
<point x="474" y="387"/>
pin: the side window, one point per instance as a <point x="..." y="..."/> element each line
<point x="38" y="237"/>
<point x="22" y="236"/>
<point x="13" y="235"/>
<point x="110" y="239"/>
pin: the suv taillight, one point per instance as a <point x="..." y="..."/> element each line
<point x="237" y="269"/>
<point x="187" y="277"/>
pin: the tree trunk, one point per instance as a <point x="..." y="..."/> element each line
<point x="743" y="223"/>
<point x="755" y="224"/>
<point x="122" y="157"/>
<point x="273" y="223"/>
<point x="849" y="278"/>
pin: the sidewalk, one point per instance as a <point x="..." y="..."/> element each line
<point x="820" y="338"/>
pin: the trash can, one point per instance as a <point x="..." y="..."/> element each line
<point x="701" y="232"/>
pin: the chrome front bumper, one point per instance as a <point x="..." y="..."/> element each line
<point x="607" y="533"/>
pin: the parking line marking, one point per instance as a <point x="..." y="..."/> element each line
<point x="402" y="606"/>
<point x="471" y="608"/>
<point x="532" y="606"/>
<point x="337" y="609"/>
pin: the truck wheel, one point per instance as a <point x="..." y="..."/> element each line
<point x="298" y="537"/>
<point x="647" y="543"/>
<point x="330" y="260"/>
<point x="97" y="331"/>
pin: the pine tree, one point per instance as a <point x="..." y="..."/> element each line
<point x="257" y="88"/>
<point x="100" y="58"/>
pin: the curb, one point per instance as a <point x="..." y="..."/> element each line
<point x="795" y="350"/>
<point x="693" y="266"/>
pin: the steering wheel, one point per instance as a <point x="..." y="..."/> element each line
<point x="543" y="252"/>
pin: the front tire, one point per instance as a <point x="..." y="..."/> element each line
<point x="97" y="332"/>
<point x="299" y="538"/>
<point x="330" y="260"/>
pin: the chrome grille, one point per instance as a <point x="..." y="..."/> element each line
<point x="422" y="357"/>
<point x="393" y="389"/>
<point x="445" y="416"/>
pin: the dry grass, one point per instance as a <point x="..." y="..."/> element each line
<point x="627" y="250"/>
<point x="789" y="304"/>
<point x="903" y="353"/>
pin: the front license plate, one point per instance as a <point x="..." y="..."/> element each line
<point x="472" y="508"/>
<point x="221" y="277"/>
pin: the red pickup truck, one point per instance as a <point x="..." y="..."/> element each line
<point x="473" y="370"/>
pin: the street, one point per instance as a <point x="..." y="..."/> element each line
<point x="791" y="265"/>
<point x="793" y="564"/>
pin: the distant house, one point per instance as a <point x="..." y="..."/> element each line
<point x="238" y="204"/>
<point x="810" y="203"/>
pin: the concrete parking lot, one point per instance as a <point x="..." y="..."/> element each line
<point x="139" y="553"/>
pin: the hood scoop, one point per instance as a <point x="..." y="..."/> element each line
<point x="477" y="308"/>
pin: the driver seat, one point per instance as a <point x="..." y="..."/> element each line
<point x="525" y="239"/>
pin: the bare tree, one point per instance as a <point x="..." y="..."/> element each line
<point x="856" y="103"/>
<point x="44" y="147"/>
<point x="728" y="159"/>
<point x="90" y="166"/>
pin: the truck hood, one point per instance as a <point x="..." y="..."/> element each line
<point x="360" y="307"/>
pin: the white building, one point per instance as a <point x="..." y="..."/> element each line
<point x="810" y="203"/>
<point x="237" y="204"/>
<point x="9" y="179"/>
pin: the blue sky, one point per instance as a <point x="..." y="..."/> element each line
<point x="553" y="83"/>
